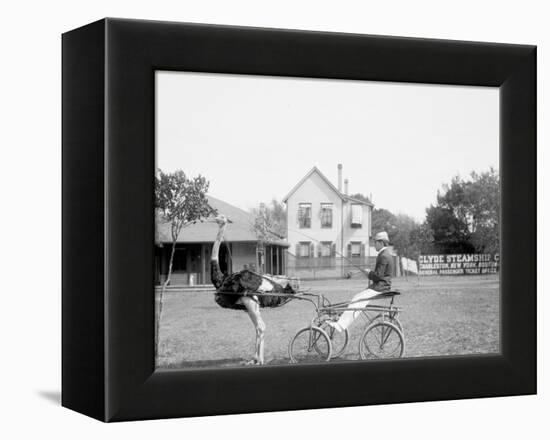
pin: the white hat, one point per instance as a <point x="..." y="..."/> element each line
<point x="382" y="236"/>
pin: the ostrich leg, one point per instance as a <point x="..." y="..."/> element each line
<point x="253" y="309"/>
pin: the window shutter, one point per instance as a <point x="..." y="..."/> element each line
<point x="311" y="250"/>
<point x="333" y="250"/>
<point x="363" y="249"/>
<point x="297" y="249"/>
<point x="319" y="250"/>
<point x="349" y="250"/>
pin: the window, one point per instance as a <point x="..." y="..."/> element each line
<point x="304" y="249"/>
<point x="356" y="216"/>
<point x="325" y="249"/>
<point x="355" y="248"/>
<point x="326" y="215"/>
<point x="304" y="215"/>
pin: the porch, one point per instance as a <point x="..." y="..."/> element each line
<point x="191" y="264"/>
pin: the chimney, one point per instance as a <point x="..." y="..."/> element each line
<point x="346" y="186"/>
<point x="340" y="177"/>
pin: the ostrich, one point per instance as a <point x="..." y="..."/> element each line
<point x="246" y="282"/>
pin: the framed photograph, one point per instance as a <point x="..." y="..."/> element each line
<point x="265" y="219"/>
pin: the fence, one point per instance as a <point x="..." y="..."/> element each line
<point x="310" y="268"/>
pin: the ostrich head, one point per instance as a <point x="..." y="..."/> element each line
<point x="220" y="219"/>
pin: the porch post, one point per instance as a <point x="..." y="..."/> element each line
<point x="203" y="264"/>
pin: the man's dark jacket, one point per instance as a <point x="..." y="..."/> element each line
<point x="381" y="276"/>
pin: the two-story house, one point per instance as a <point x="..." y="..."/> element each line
<point x="328" y="231"/>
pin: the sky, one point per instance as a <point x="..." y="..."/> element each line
<point x="255" y="137"/>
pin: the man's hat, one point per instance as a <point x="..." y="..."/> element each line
<point x="382" y="236"/>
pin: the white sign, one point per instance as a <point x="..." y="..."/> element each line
<point x="459" y="264"/>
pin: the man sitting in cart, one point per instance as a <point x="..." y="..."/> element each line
<point x="381" y="281"/>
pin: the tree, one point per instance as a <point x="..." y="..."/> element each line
<point x="422" y="239"/>
<point x="360" y="196"/>
<point x="483" y="192"/>
<point x="466" y="216"/>
<point x="270" y="220"/>
<point x="384" y="220"/>
<point x="406" y="236"/>
<point x="181" y="201"/>
<point x="450" y="233"/>
<point x="402" y="229"/>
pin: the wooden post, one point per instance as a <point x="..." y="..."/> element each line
<point x="259" y="267"/>
<point x="187" y="263"/>
<point x="203" y="265"/>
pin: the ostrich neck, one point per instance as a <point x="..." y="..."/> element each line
<point x="217" y="242"/>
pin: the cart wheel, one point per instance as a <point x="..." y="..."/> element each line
<point x="310" y="345"/>
<point x="393" y="321"/>
<point x="338" y="340"/>
<point x="381" y="340"/>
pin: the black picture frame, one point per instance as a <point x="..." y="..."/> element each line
<point x="108" y="224"/>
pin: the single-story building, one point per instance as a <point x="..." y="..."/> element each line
<point x="239" y="250"/>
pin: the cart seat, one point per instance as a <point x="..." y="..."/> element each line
<point x="387" y="294"/>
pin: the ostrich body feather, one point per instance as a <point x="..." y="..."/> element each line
<point x="246" y="282"/>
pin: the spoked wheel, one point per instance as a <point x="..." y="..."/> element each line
<point x="381" y="340"/>
<point x="338" y="340"/>
<point x="310" y="345"/>
<point x="391" y="319"/>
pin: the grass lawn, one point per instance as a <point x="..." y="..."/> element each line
<point x="441" y="316"/>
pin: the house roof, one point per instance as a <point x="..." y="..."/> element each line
<point x="354" y="200"/>
<point x="241" y="230"/>
<point x="330" y="185"/>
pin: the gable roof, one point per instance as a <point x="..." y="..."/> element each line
<point x="329" y="184"/>
<point x="242" y="228"/>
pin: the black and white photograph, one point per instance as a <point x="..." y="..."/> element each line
<point x="303" y="220"/>
<point x="275" y="220"/>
